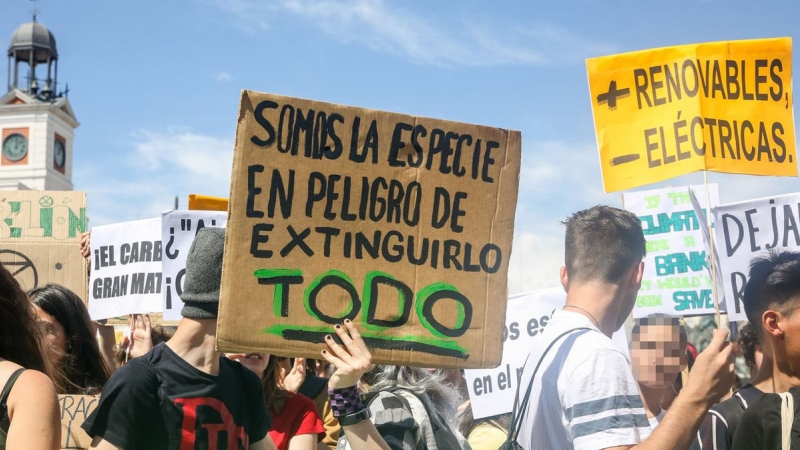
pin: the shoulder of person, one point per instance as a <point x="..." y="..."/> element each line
<point x="33" y="384"/>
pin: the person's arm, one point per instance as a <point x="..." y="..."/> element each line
<point x="710" y="379"/>
<point x="351" y="363"/>
<point x="303" y="442"/>
<point x="264" y="444"/>
<point x="33" y="409"/>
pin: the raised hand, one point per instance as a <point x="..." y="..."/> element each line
<point x="351" y="360"/>
<point x="141" y="340"/>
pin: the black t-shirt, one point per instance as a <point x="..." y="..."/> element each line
<point x="717" y="430"/>
<point x="160" y="401"/>
<point x="760" y="426"/>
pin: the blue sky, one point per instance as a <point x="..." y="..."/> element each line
<point x="155" y="85"/>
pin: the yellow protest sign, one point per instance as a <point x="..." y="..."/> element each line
<point x="720" y="106"/>
<point x="207" y="203"/>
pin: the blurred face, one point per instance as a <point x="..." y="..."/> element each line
<point x="54" y="335"/>
<point x="256" y="362"/>
<point x="658" y="355"/>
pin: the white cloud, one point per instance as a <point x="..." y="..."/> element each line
<point x="223" y="76"/>
<point x="386" y="27"/>
<point x="161" y="166"/>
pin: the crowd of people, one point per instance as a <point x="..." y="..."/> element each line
<point x="168" y="387"/>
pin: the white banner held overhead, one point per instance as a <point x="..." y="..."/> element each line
<point x="676" y="280"/>
<point x="178" y="229"/>
<point x="749" y="229"/>
<point x="126" y="269"/>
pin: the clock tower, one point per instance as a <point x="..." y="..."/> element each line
<point x="37" y="125"/>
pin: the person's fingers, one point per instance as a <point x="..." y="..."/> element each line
<point x="130" y="322"/>
<point x="718" y="340"/>
<point x="300" y="364"/>
<point x="359" y="347"/>
<point x="147" y="324"/>
<point x="337" y="350"/>
<point x="338" y="363"/>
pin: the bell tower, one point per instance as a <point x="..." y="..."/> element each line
<point x="37" y="124"/>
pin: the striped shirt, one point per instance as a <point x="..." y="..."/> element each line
<point x="584" y="395"/>
<point x="718" y="427"/>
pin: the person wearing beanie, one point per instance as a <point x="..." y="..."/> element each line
<point x="183" y="393"/>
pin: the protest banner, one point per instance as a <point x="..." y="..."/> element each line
<point x="749" y="229"/>
<point x="178" y="229"/>
<point x="677" y="279"/>
<point x="40" y="238"/>
<point x="720" y="106"/>
<point x="74" y="410"/>
<point x="492" y="391"/>
<point x="207" y="203"/>
<point x="401" y="224"/>
<point x="126" y="269"/>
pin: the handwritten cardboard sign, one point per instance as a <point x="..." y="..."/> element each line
<point x="178" y="229"/>
<point x="401" y="224"/>
<point x="721" y="106"/>
<point x="39" y="238"/>
<point x="74" y="410"/>
<point x="126" y="269"/>
<point x="749" y="229"/>
<point x="677" y="280"/>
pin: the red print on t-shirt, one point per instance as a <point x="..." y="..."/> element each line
<point x="235" y="433"/>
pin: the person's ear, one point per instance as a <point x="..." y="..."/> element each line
<point x="771" y="322"/>
<point x="635" y="276"/>
<point x="564" y="278"/>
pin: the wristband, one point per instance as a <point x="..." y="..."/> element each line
<point x="354" y="418"/>
<point x="345" y="401"/>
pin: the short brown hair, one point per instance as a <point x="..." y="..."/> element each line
<point x="602" y="243"/>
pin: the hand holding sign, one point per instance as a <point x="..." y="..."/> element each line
<point x="351" y="361"/>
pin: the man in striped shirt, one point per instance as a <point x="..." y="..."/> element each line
<point x="583" y="395"/>
<point x="770" y="297"/>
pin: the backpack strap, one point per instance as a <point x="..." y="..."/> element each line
<point x="7" y="389"/>
<point x="517" y="414"/>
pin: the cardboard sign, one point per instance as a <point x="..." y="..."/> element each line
<point x="721" y="106"/>
<point x="492" y="391"/>
<point x="126" y="269"/>
<point x="677" y="280"/>
<point x="40" y="238"/>
<point x="746" y="230"/>
<point x="74" y="410"/>
<point x="402" y="224"/>
<point x="178" y="229"/>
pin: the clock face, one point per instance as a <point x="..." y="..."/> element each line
<point x="15" y="147"/>
<point x="59" y="154"/>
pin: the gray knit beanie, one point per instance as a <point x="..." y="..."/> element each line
<point x="203" y="275"/>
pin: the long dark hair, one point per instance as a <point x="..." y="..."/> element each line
<point x="20" y="338"/>
<point x="274" y="395"/>
<point x="84" y="367"/>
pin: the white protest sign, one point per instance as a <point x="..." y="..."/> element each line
<point x="746" y="230"/>
<point x="492" y="391"/>
<point x="178" y="229"/>
<point x="676" y="279"/>
<point x="126" y="269"/>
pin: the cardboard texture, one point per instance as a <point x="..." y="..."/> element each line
<point x="402" y="224"/>
<point x="40" y="238"/>
<point x="720" y="106"/>
<point x="74" y="410"/>
<point x="677" y="279"/>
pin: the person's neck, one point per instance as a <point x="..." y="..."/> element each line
<point x="651" y="397"/>
<point x="599" y="302"/>
<point x="775" y="375"/>
<point x="194" y="342"/>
